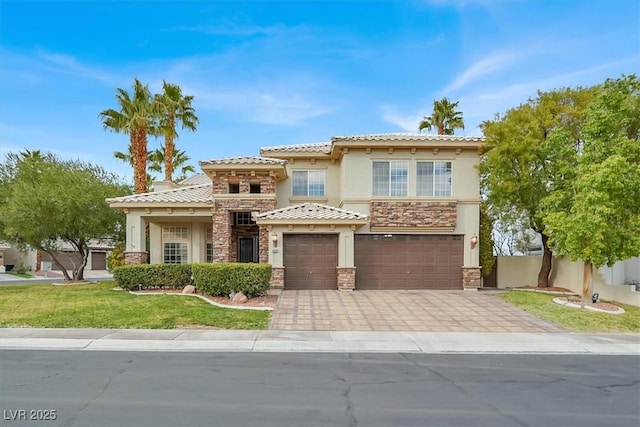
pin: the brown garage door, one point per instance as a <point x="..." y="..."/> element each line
<point x="310" y="261"/>
<point x="408" y="261"/>
<point x="98" y="260"/>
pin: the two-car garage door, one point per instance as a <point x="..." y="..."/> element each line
<point x="382" y="261"/>
<point x="408" y="261"/>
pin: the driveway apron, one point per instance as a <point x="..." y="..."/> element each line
<point x="393" y="310"/>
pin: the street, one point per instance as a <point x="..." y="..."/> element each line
<point x="316" y="389"/>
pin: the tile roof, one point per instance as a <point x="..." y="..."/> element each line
<point x="195" y="194"/>
<point x="246" y="160"/>
<point x="311" y="211"/>
<point x="318" y="147"/>
<point x="409" y="137"/>
<point x="195" y="180"/>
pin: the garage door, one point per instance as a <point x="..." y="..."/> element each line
<point x="98" y="260"/>
<point x="310" y="261"/>
<point x="408" y="261"/>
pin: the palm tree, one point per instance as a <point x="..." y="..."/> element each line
<point x="128" y="159"/>
<point x="176" y="108"/>
<point x="445" y="118"/>
<point x="158" y="157"/>
<point x="135" y="118"/>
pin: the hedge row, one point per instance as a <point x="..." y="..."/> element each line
<point x="134" y="276"/>
<point x="223" y="278"/>
<point x="214" y="279"/>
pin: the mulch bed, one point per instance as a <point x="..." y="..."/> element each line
<point x="604" y="306"/>
<point x="261" y="301"/>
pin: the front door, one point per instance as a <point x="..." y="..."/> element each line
<point x="248" y="249"/>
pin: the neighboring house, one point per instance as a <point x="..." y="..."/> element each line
<point x="11" y="257"/>
<point x="70" y="258"/>
<point x="388" y="211"/>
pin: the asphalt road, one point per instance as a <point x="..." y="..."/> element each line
<point x="303" y="389"/>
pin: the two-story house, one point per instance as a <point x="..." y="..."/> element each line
<point x="388" y="211"/>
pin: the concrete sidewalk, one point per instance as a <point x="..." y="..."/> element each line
<point x="316" y="341"/>
<point x="53" y="277"/>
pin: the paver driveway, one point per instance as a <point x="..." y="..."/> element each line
<point x="393" y="310"/>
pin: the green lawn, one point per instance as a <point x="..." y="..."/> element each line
<point x="21" y="275"/>
<point x="99" y="306"/>
<point x="574" y="319"/>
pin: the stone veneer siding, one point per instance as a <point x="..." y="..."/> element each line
<point x="224" y="246"/>
<point x="220" y="183"/>
<point x="276" y="284"/>
<point x="471" y="278"/>
<point x="413" y="214"/>
<point x="223" y="221"/>
<point x="136" y="257"/>
<point x="346" y="278"/>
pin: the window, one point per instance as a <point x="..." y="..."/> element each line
<point x="234" y="188"/>
<point x="308" y="183"/>
<point x="209" y="245"/>
<point x="175" y="253"/>
<point x="254" y="188"/>
<point x="175" y="244"/>
<point x="243" y="218"/>
<point x="390" y="178"/>
<point x="434" y="179"/>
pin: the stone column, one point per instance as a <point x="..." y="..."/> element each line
<point x="346" y="278"/>
<point x="135" y="257"/>
<point x="471" y="278"/>
<point x="276" y="284"/>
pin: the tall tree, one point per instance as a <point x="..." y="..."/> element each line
<point x="176" y="109"/>
<point x="136" y="117"/>
<point x="444" y="117"/>
<point x="596" y="217"/>
<point x="128" y="159"/>
<point x="49" y="202"/>
<point x="523" y="166"/>
<point x="179" y="162"/>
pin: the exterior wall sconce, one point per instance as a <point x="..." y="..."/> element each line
<point x="274" y="239"/>
<point x="474" y="241"/>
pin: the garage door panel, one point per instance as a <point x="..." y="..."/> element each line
<point x="408" y="262"/>
<point x="310" y="261"/>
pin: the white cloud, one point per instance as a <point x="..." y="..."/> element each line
<point x="68" y="64"/>
<point x="485" y="66"/>
<point x="263" y="106"/>
<point x="406" y="121"/>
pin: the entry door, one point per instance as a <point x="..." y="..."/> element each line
<point x="248" y="249"/>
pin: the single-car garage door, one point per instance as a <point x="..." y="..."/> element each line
<point x="408" y="261"/>
<point x="98" y="260"/>
<point x="310" y="261"/>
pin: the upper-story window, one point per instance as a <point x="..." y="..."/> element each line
<point x="254" y="188"/>
<point x="234" y="188"/>
<point x="243" y="218"/>
<point x="434" y="179"/>
<point x="390" y="178"/>
<point x="308" y="183"/>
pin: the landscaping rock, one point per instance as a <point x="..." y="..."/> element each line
<point x="189" y="289"/>
<point x="239" y="298"/>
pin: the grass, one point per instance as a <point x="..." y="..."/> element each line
<point x="21" y="275"/>
<point x="574" y="319"/>
<point x="99" y="306"/>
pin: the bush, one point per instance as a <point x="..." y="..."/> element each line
<point x="116" y="257"/>
<point x="131" y="276"/>
<point x="225" y="277"/>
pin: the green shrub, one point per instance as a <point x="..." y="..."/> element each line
<point x="222" y="278"/>
<point x="116" y="257"/>
<point x="132" y="276"/>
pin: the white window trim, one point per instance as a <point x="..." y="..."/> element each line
<point x="324" y="184"/>
<point x="434" y="181"/>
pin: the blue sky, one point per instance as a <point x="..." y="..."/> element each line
<point x="272" y="73"/>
